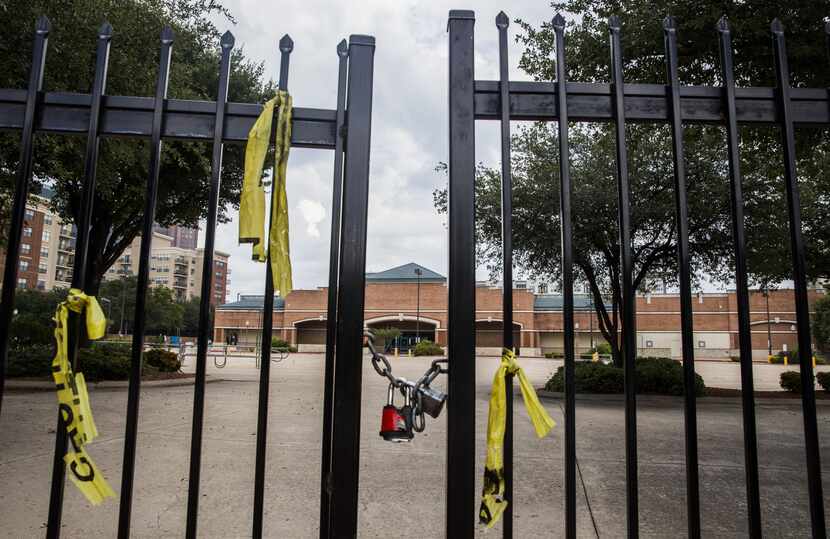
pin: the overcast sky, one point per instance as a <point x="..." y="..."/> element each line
<point x="409" y="122"/>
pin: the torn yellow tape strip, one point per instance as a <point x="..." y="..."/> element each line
<point x="73" y="398"/>
<point x="252" y="199"/>
<point x="493" y="503"/>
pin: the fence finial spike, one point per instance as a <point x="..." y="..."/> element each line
<point x="105" y="31"/>
<point x="776" y="26"/>
<point x="227" y="41"/>
<point x="723" y="24"/>
<point x="286" y="43"/>
<point x="669" y="23"/>
<point x="502" y="21"/>
<point x="167" y="35"/>
<point x="558" y="21"/>
<point x="342" y="48"/>
<point x="614" y="22"/>
<point x="43" y="25"/>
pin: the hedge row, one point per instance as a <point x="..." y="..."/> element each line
<point x="656" y="375"/>
<point x="106" y="361"/>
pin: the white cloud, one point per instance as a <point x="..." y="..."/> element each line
<point x="313" y="213"/>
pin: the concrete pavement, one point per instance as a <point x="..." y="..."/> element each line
<point x="401" y="485"/>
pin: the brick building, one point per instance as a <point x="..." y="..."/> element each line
<point x="418" y="306"/>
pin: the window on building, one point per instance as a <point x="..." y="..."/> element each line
<point x="25" y="248"/>
<point x="701" y="344"/>
<point x="22" y="283"/>
<point x="27" y="232"/>
<point x="47" y="219"/>
<point x="44" y="252"/>
<point x="24" y="265"/>
<point x="41" y="284"/>
<point x="649" y="344"/>
<point x="30" y="214"/>
<point x="42" y="268"/>
<point x="543" y="288"/>
<point x="46" y="236"/>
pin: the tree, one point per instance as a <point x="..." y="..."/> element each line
<point x="32" y="324"/>
<point x="536" y="232"/>
<point x="133" y="67"/>
<point x="190" y="317"/>
<point x="821" y="324"/>
<point x="164" y="314"/>
<point x="386" y="335"/>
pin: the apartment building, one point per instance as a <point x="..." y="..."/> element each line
<point x="47" y="256"/>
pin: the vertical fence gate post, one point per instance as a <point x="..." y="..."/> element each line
<point x="286" y="46"/>
<point x="628" y="305"/>
<point x="21" y="192"/>
<point x="331" y="308"/>
<point x="345" y="450"/>
<point x="753" y="498"/>
<point x="460" y="509"/>
<point x="80" y="267"/>
<point x="802" y="307"/>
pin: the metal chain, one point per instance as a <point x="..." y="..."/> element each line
<point x="384" y="368"/>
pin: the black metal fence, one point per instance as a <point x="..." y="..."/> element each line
<point x="617" y="102"/>
<point x="345" y="129"/>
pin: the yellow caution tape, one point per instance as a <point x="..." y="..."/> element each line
<point x="252" y="199"/>
<point x="73" y="399"/>
<point x="493" y="503"/>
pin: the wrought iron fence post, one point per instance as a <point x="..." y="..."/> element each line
<point x="741" y="287"/>
<point x="331" y="320"/>
<point x="460" y="492"/>
<point x="21" y="191"/>
<point x="802" y="308"/>
<point x="350" y="294"/>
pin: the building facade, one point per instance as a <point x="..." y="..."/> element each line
<point x="47" y="256"/>
<point x="418" y="307"/>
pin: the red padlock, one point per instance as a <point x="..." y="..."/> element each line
<point x="396" y="423"/>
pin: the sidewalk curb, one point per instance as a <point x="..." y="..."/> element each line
<point x="664" y="399"/>
<point x="35" y="385"/>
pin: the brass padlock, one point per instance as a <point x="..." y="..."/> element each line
<point x="431" y="400"/>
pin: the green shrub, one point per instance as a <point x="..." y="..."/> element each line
<point x="282" y="344"/>
<point x="428" y="348"/>
<point x="162" y="360"/>
<point x="823" y="379"/>
<point x="31" y="361"/>
<point x="589" y="378"/>
<point x="791" y="381"/>
<point x="106" y="362"/>
<point x="657" y="375"/>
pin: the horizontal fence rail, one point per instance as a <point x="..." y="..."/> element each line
<point x="593" y="102"/>
<point x="63" y="112"/>
<point x="620" y="103"/>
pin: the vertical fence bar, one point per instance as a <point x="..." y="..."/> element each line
<point x="629" y="332"/>
<point x="79" y="266"/>
<point x="226" y="44"/>
<point x="684" y="269"/>
<point x="502" y="23"/>
<point x="331" y="312"/>
<point x="286" y="46"/>
<point x="566" y="225"/>
<point x="460" y="492"/>
<point x="802" y="308"/>
<point x="742" y="292"/>
<point x="345" y="463"/>
<point x="21" y="192"/>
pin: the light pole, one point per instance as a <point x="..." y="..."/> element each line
<point x="769" y="326"/>
<point x="418" y="274"/>
<point x="591" y="318"/>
